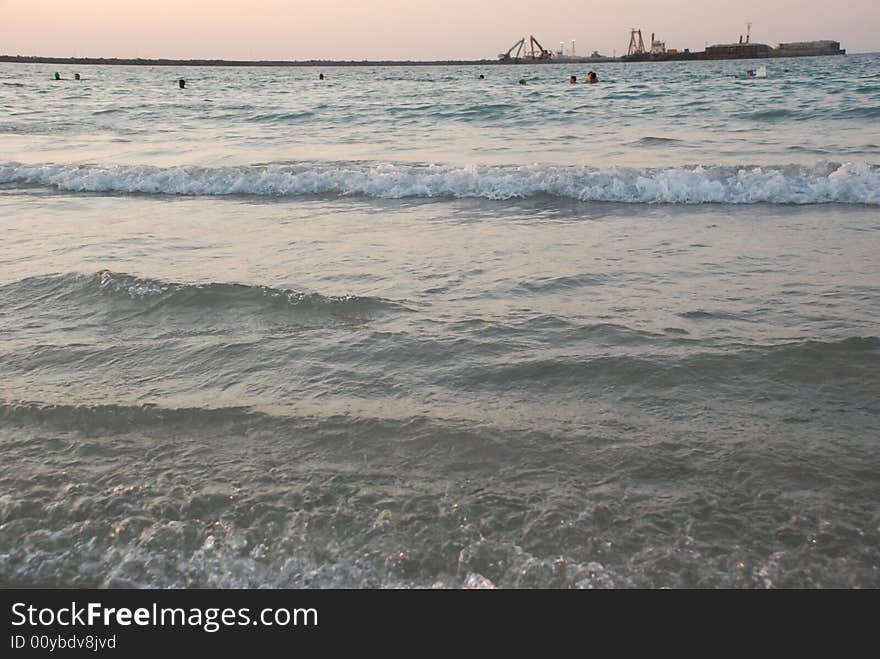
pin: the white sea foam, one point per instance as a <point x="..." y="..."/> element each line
<point x="847" y="183"/>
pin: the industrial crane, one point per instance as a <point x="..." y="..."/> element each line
<point x="536" y="50"/>
<point x="518" y="45"/>
<point x="636" y="44"/>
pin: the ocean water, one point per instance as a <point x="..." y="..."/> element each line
<point x="409" y="328"/>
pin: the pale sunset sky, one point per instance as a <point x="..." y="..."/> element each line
<point x="411" y="29"/>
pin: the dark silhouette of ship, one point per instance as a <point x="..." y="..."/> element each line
<point x="744" y="49"/>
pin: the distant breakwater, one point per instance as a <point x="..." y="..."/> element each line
<point x="86" y="61"/>
<point x="102" y="61"/>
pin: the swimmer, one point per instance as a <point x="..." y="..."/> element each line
<point x="750" y="74"/>
<point x="57" y="76"/>
<point x="76" y="76"/>
<point x="181" y="83"/>
<point x="320" y="76"/>
<point x="482" y="77"/>
<point x="572" y="80"/>
<point x="522" y="81"/>
<point x="592" y="77"/>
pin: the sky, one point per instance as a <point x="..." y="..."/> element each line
<point x="411" y="29"/>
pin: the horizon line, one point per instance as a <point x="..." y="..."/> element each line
<point x="177" y="61"/>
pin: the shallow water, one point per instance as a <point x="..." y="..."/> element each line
<point x="407" y="328"/>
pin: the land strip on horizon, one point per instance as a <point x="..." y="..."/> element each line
<point x="114" y="61"/>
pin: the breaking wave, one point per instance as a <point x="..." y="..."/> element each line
<point x="846" y="183"/>
<point x="216" y="293"/>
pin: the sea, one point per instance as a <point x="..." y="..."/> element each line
<point x="406" y="327"/>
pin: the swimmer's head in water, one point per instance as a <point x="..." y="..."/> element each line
<point x="57" y="76"/>
<point x="573" y="79"/>
<point x="320" y="76"/>
<point x="181" y="83"/>
<point x="592" y="77"/>
<point x="76" y="76"/>
<point x="482" y="77"/>
<point x="522" y="81"/>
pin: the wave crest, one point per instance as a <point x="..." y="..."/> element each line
<point x="137" y="287"/>
<point x="227" y="297"/>
<point x="847" y="183"/>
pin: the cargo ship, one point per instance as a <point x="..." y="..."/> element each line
<point x="744" y="49"/>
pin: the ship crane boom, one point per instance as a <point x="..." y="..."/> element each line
<point x="518" y="46"/>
